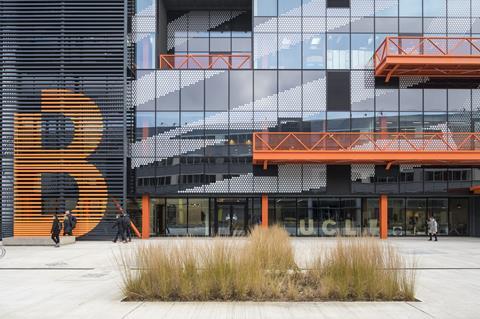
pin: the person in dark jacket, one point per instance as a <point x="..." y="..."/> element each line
<point x="119" y="224"/>
<point x="67" y="224"/>
<point x="126" y="226"/>
<point x="56" y="228"/>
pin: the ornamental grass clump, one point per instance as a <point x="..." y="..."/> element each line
<point x="363" y="269"/>
<point x="262" y="268"/>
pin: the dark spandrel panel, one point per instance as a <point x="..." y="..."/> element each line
<point x="338" y="179"/>
<point x="338" y="3"/>
<point x="338" y="91"/>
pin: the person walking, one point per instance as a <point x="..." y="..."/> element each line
<point x="432" y="228"/>
<point x="56" y="228"/>
<point x="127" y="226"/>
<point x="67" y="224"/>
<point x="119" y="223"/>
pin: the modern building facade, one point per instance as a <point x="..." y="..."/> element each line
<point x="203" y="118"/>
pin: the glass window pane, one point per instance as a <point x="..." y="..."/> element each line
<point x="459" y="100"/>
<point x="338" y="121"/>
<point x="141" y="5"/>
<point x="438" y="208"/>
<point x="386" y="122"/>
<point x="241" y="44"/>
<point x="434" y="121"/>
<point x="314" y="122"/>
<point x="241" y="88"/>
<point x="314" y="51"/>
<point x="265" y="47"/>
<point x="416" y="217"/>
<point x="289" y="51"/>
<point x="216" y="90"/>
<point x="338" y="51"/>
<point x="458" y="8"/>
<point x="313" y="8"/>
<point x="167" y="121"/>
<point x="435" y="99"/>
<point x="362" y="50"/>
<point x="410" y="8"/>
<point x="198" y="217"/>
<point x="265" y="84"/>
<point x="192" y="94"/>
<point x="198" y="45"/>
<point x="349" y="216"/>
<point x="370" y="217"/>
<point x="176" y="216"/>
<point x="411" y="122"/>
<point x="411" y="99"/>
<point x="289" y="7"/>
<point x="388" y="8"/>
<point x="396" y="217"/>
<point x="307" y="217"/>
<point x="145" y="51"/>
<point x="145" y="124"/>
<point x="286" y="211"/>
<point x="265" y="8"/>
<point x="220" y="45"/>
<point x="434" y="8"/>
<point x="363" y="121"/>
<point x="458" y="220"/>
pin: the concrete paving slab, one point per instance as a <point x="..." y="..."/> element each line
<point x="37" y="241"/>
<point x="83" y="281"/>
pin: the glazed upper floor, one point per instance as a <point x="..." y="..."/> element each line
<point x="287" y="34"/>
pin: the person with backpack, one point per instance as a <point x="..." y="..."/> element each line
<point x="432" y="228"/>
<point x="55" y="231"/>
<point x="126" y="226"/>
<point x="119" y="224"/>
<point x="67" y="224"/>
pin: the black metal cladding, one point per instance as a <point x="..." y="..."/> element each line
<point x="77" y="45"/>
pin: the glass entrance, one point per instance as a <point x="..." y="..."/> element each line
<point x="416" y="214"/>
<point x="230" y="217"/>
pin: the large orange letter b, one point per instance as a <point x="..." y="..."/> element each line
<point x="31" y="160"/>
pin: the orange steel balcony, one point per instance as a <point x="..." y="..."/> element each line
<point x="205" y="61"/>
<point x="368" y="147"/>
<point x="428" y="56"/>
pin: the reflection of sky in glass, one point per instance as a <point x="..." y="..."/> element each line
<point x="434" y="8"/>
<point x="289" y="7"/>
<point x="410" y="8"/>
<point x="389" y="9"/>
<point x="289" y="53"/>
<point x="265" y="8"/>
<point x="145" y="119"/>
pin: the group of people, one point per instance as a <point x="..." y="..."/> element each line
<point x="123" y="225"/>
<point x="68" y="225"/>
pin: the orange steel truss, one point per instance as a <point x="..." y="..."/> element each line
<point x="205" y="61"/>
<point x="366" y="147"/>
<point x="428" y="56"/>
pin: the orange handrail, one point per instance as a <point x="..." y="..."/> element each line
<point x="205" y="61"/>
<point x="366" y="147"/>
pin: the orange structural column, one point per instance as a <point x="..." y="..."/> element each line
<point x="264" y="211"/>
<point x="383" y="216"/>
<point x="145" y="216"/>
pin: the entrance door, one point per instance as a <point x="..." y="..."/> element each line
<point x="230" y="217"/>
<point x="416" y="214"/>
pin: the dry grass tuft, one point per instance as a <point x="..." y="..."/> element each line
<point x="264" y="268"/>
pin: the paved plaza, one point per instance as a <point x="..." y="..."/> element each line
<point x="83" y="281"/>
